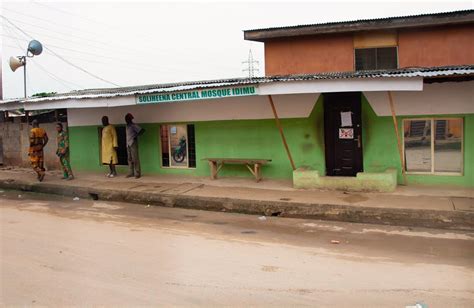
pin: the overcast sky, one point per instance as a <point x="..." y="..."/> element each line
<point x="136" y="43"/>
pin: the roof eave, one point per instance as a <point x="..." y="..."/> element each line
<point x="263" y="35"/>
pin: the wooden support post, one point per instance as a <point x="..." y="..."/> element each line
<point x="258" y="173"/>
<point x="399" y="142"/>
<point x="277" y="120"/>
<point x="213" y="166"/>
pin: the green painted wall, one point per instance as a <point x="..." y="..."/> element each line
<point x="261" y="139"/>
<point x="237" y="139"/>
<point x="381" y="151"/>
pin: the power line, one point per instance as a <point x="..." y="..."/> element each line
<point x="53" y="76"/>
<point x="100" y="55"/>
<point x="69" y="13"/>
<point x="145" y="66"/>
<point x="59" y="56"/>
<point x="140" y="35"/>
<point x="106" y="45"/>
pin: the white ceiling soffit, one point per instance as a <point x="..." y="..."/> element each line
<point x="342" y="85"/>
<point x="234" y="108"/>
<point x="82" y="103"/>
<point x="436" y="98"/>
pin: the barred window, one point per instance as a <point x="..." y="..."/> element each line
<point x="376" y="58"/>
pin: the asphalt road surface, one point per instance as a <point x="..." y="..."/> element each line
<point x="56" y="252"/>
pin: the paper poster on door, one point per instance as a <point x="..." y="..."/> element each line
<point x="346" y="133"/>
<point x="346" y="118"/>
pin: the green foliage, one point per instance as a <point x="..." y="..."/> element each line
<point x="44" y="94"/>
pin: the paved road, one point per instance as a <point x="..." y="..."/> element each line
<point x="56" y="251"/>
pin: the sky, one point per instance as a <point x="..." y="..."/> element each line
<point x="101" y="44"/>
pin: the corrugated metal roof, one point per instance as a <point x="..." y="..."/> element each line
<point x="191" y="85"/>
<point x="430" y="19"/>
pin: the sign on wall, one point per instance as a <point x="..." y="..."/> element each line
<point x="196" y="95"/>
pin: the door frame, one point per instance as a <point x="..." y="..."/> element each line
<point x="330" y="134"/>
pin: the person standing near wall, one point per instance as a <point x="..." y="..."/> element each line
<point x="38" y="140"/>
<point x="133" y="131"/>
<point x="63" y="152"/>
<point x="109" y="146"/>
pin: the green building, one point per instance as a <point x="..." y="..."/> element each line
<point x="339" y="112"/>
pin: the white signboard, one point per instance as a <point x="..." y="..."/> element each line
<point x="346" y="133"/>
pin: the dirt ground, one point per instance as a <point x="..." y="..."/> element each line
<point x="56" y="252"/>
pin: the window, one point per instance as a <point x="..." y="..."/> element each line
<point x="376" y="58"/>
<point x="178" y="146"/>
<point x="433" y="145"/>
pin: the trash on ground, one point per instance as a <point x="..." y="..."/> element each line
<point x="262" y="218"/>
<point x="76" y="199"/>
<point x="335" y="242"/>
<point x="147" y="205"/>
<point x="19" y="196"/>
<point x="418" y="305"/>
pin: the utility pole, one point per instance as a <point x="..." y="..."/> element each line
<point x="251" y="69"/>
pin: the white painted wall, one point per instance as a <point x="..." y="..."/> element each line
<point x="436" y="98"/>
<point x="342" y="85"/>
<point x="236" y="108"/>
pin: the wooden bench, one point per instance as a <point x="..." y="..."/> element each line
<point x="254" y="165"/>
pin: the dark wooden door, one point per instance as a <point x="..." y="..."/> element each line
<point x="343" y="133"/>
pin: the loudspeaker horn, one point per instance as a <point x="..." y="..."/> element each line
<point x="16" y="62"/>
<point x="35" y="47"/>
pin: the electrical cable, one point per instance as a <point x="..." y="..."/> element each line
<point x="53" y="76"/>
<point x="61" y="57"/>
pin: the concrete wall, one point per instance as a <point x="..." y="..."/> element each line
<point x="436" y="46"/>
<point x="260" y="139"/>
<point x="309" y="55"/>
<point x="15" y="143"/>
<point x="425" y="47"/>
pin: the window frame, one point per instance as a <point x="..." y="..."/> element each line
<point x="432" y="152"/>
<point x="375" y="47"/>
<point x="169" y="147"/>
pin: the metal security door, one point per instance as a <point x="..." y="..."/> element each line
<point x="343" y="133"/>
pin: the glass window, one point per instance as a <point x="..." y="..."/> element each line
<point x="418" y="145"/>
<point x="376" y="58"/>
<point x="178" y="137"/>
<point x="433" y="145"/>
<point x="448" y="146"/>
<point x="178" y="145"/>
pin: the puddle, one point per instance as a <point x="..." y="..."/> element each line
<point x="249" y="232"/>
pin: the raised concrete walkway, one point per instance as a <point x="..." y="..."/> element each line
<point x="435" y="207"/>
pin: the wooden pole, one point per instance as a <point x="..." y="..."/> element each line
<point x="399" y="142"/>
<point x="277" y="120"/>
